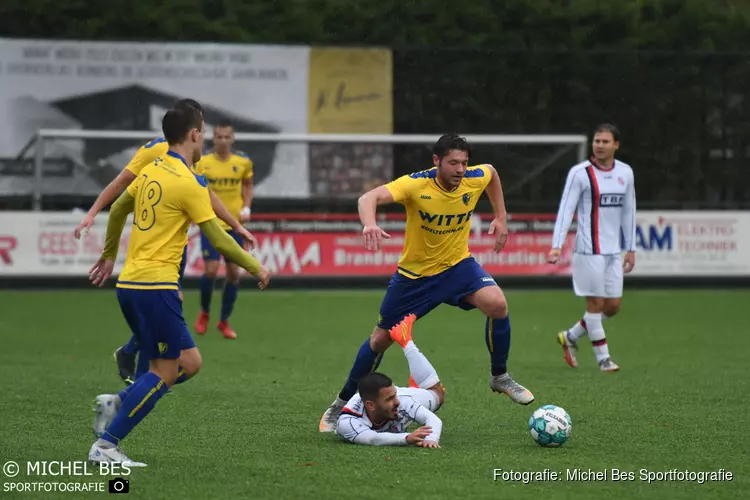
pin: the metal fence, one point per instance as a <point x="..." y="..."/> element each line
<point x="684" y="117"/>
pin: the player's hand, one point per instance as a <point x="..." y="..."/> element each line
<point x="629" y="262"/>
<point x="245" y="214"/>
<point x="418" y="435"/>
<point x="499" y="228"/>
<point x="428" y="444"/>
<point x="84" y="225"/>
<point x="101" y="271"/>
<point x="554" y="255"/>
<point x="373" y="235"/>
<point x="263" y="278"/>
<point x="250" y="242"/>
<point x="181" y="295"/>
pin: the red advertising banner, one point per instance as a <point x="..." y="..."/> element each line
<point x="668" y="244"/>
<point x="331" y="245"/>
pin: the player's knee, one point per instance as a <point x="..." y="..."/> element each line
<point x="211" y="269"/>
<point x="439" y="391"/>
<point x="380" y="340"/>
<point x="233" y="274"/>
<point x="168" y="374"/>
<point x="191" y="361"/>
<point x="611" y="308"/>
<point x="498" y="308"/>
<point x="594" y="304"/>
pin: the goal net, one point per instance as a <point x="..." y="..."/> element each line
<point x="79" y="163"/>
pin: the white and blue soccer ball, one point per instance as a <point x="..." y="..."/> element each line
<point x="550" y="426"/>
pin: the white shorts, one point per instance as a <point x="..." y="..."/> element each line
<point x="427" y="398"/>
<point x="597" y="275"/>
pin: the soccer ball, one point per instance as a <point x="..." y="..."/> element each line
<point x="550" y="426"/>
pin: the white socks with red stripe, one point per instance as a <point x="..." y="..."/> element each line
<point x="596" y="335"/>
<point x="580" y="329"/>
<point x="423" y="373"/>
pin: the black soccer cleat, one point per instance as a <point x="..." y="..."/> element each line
<point x="125" y="365"/>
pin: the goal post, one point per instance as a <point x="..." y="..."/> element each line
<point x="282" y="154"/>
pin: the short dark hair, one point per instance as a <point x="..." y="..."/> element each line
<point x="224" y="124"/>
<point x="448" y="142"/>
<point x="177" y="122"/>
<point x="608" y="127"/>
<point x="190" y="103"/>
<point x="370" y="384"/>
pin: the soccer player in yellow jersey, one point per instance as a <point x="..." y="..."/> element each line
<point x="230" y="176"/>
<point x="125" y="356"/>
<point x="165" y="198"/>
<point x="436" y="266"/>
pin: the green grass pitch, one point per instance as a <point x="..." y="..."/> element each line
<point x="246" y="427"/>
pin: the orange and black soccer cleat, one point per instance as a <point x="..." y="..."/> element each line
<point x="401" y="333"/>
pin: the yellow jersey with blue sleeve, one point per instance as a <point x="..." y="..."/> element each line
<point x="168" y="197"/>
<point x="148" y="153"/>
<point x="225" y="177"/>
<point x="438" y="222"/>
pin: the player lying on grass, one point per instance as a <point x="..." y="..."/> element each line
<point x="380" y="413"/>
<point x="165" y="199"/>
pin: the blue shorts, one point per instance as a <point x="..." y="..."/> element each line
<point x="419" y="296"/>
<point x="210" y="253"/>
<point x="155" y="318"/>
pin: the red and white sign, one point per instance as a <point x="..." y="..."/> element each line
<point x="42" y="244"/>
<point x="340" y="254"/>
<point x="669" y="244"/>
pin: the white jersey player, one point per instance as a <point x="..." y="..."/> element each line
<point x="602" y="194"/>
<point x="380" y="413"/>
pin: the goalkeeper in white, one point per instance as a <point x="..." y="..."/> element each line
<point x="380" y="413"/>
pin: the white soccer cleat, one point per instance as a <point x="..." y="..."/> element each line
<point x="607" y="365"/>
<point x="331" y="416"/>
<point x="515" y="391"/>
<point x="105" y="408"/>
<point x="99" y="454"/>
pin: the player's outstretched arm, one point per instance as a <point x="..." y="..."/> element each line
<point x="226" y="245"/>
<point x="499" y="226"/>
<point x="118" y="214"/>
<point x="367" y="206"/>
<point x="110" y="192"/>
<point x="352" y="430"/>
<point x="568" y="204"/>
<point x="423" y="416"/>
<point x="627" y="222"/>
<point x="373" y="438"/>
<point x="222" y="213"/>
